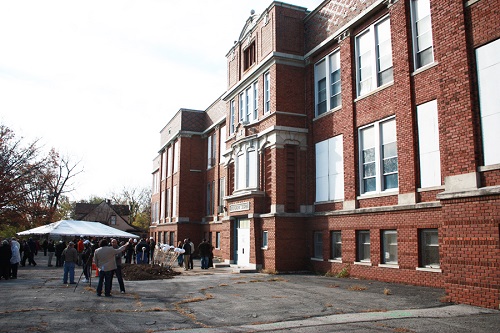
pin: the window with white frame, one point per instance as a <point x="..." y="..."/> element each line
<point x="217" y="240"/>
<point x="156" y="182"/>
<point x="428" y="144"/>
<point x="488" y="72"/>
<point x="267" y="92"/>
<point x="374" y="57"/>
<point x="264" y="239"/>
<point x="162" y="205"/>
<point x="330" y="169"/>
<point x="363" y="246"/>
<point x="423" y="51"/>
<point x="210" y="198"/>
<point x="154" y="212"/>
<point x="222" y="194"/>
<point x="164" y="165"/>
<point x="176" y="156"/>
<point x="222" y="143"/>
<point x="318" y="245"/>
<point x="389" y="247"/>
<point x="169" y="161"/>
<point x="378" y="156"/>
<point x="328" y="84"/>
<point x="246" y="167"/>
<point x="167" y="202"/>
<point x="232" y="116"/>
<point x="249" y="103"/>
<point x="174" y="201"/>
<point x="429" y="248"/>
<point x="336" y="246"/>
<point x="212" y="150"/>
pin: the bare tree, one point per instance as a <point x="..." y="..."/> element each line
<point x="31" y="186"/>
<point x="139" y="202"/>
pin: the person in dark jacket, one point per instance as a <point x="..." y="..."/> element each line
<point x="204" y="251"/>
<point x="187" y="253"/>
<point x="59" y="250"/>
<point x="5" y="255"/>
<point x="142" y="252"/>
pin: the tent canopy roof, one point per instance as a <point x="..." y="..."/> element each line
<point x="77" y="228"/>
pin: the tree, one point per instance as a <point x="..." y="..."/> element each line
<point x="31" y="185"/>
<point x="139" y="202"/>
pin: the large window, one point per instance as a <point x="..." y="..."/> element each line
<point x="167" y="201"/>
<point x="249" y="103"/>
<point x="210" y="197"/>
<point x="267" y="92"/>
<point x="429" y="248"/>
<point x="389" y="247"/>
<point x="428" y="144"/>
<point x="212" y="150"/>
<point x="156" y="182"/>
<point x="379" y="157"/>
<point x="174" y="201"/>
<point x="423" y="50"/>
<point x="249" y="56"/>
<point x="232" y="117"/>
<point x="318" y="245"/>
<point x="222" y="143"/>
<point x="374" y="57"/>
<point x="336" y="246"/>
<point x="169" y="161"/>
<point x="363" y="246"/>
<point x="162" y="205"/>
<point x="328" y="85"/>
<point x="176" y="156"/>
<point x="488" y="71"/>
<point x="217" y="240"/>
<point x="164" y="165"/>
<point x="246" y="167"/>
<point x="330" y="169"/>
<point x="222" y="194"/>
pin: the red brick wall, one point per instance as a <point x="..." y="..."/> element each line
<point x="471" y="245"/>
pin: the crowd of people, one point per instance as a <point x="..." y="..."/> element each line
<point x="103" y="255"/>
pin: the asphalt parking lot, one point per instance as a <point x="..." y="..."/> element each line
<point x="220" y="300"/>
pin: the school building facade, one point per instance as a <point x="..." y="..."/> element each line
<point x="360" y="137"/>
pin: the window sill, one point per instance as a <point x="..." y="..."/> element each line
<point x="371" y="195"/>
<point x="428" y="189"/>
<point x="264" y="248"/>
<point x="429" y="269"/>
<point x="316" y="259"/>
<point x="338" y="261"/>
<point x="489" y="167"/>
<point x="387" y="85"/>
<point x="389" y="266"/>
<point x="337" y="108"/>
<point x="424" y="68"/>
<point x="363" y="263"/>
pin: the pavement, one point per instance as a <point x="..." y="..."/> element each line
<point x="225" y="300"/>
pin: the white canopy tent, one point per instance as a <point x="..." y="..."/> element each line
<point x="77" y="228"/>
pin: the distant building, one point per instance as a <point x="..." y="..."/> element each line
<point x="362" y="136"/>
<point x="116" y="216"/>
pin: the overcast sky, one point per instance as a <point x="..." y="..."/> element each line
<point x="97" y="80"/>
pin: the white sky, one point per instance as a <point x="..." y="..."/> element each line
<point x="97" y="80"/>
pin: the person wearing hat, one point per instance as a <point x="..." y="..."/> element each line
<point x="87" y="256"/>
<point x="70" y="259"/>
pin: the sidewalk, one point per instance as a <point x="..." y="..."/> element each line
<point x="219" y="300"/>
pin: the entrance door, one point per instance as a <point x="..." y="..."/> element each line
<point x="243" y="250"/>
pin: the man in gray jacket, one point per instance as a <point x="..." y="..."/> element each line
<point x="70" y="259"/>
<point x="104" y="258"/>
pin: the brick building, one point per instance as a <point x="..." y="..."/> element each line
<point x="360" y="136"/>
